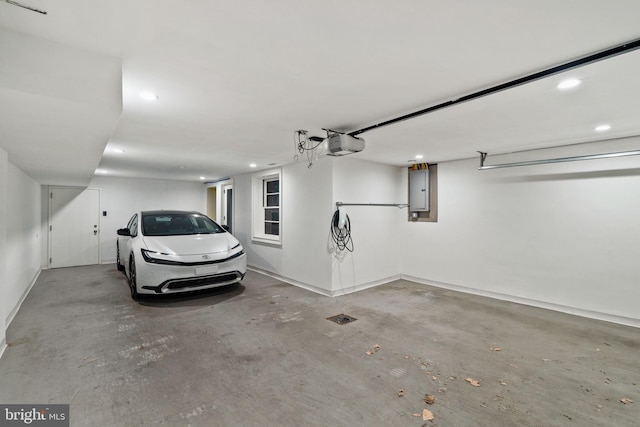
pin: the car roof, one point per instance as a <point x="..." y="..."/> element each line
<point x="169" y="212"/>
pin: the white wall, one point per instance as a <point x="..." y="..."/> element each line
<point x="23" y="235"/>
<point x="4" y="284"/>
<point x="375" y="229"/>
<point x="303" y="258"/>
<point x="564" y="236"/>
<point x="20" y="239"/>
<point x="308" y="202"/>
<point x="121" y="197"/>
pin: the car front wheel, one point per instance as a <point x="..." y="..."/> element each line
<point x="133" y="278"/>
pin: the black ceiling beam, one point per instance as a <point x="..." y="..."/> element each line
<point x="589" y="59"/>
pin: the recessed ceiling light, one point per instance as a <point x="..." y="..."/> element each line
<point x="101" y="171"/>
<point x="202" y="177"/>
<point x="569" y="83"/>
<point x="118" y="150"/>
<point x="603" y="128"/>
<point x="149" y="96"/>
<point x="419" y="156"/>
<point x="252" y="165"/>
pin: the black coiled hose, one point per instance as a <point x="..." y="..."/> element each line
<point x="341" y="236"/>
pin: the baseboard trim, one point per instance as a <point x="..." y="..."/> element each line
<point x="325" y="292"/>
<point x="363" y="286"/>
<point x="627" y="321"/>
<point x="291" y="281"/>
<point x="15" y="310"/>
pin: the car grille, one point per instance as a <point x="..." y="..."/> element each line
<point x="197" y="282"/>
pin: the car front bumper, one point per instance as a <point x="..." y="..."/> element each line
<point x="167" y="279"/>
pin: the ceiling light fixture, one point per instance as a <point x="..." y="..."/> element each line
<point x="202" y="177"/>
<point x="118" y="150"/>
<point x="419" y="156"/>
<point x="252" y="165"/>
<point x="569" y="83"/>
<point x="149" y="96"/>
<point x="603" y="128"/>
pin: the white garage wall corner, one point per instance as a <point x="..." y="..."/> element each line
<point x="560" y="236"/>
<point x="303" y="257"/>
<point x="21" y="238"/>
<point x="4" y="284"/>
<point x="306" y="257"/>
<point x="122" y="197"/>
<point x="375" y="230"/>
<point x="306" y="215"/>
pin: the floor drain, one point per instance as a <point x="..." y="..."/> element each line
<point x="342" y="319"/>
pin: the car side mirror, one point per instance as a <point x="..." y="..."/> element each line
<point x="124" y="232"/>
<point x="226" y="228"/>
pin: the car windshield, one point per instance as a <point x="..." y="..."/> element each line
<point x="177" y="224"/>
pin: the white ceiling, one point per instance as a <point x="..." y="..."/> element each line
<point x="236" y="79"/>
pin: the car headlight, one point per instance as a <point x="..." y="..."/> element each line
<point x="152" y="257"/>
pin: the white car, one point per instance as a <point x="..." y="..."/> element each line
<point x="165" y="252"/>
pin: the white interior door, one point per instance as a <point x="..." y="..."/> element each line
<point x="74" y="226"/>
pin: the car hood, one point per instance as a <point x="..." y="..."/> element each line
<point x="191" y="244"/>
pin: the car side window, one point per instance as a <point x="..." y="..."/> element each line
<point x="133" y="225"/>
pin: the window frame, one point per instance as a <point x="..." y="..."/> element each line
<point x="260" y="205"/>
<point x="266" y="206"/>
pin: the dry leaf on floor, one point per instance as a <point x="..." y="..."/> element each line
<point x="406" y="357"/>
<point x="442" y="390"/>
<point x="503" y="383"/>
<point x="427" y="415"/>
<point x="369" y="353"/>
<point x="400" y="393"/>
<point x="376" y="347"/>
<point x="496" y="348"/>
<point x="415" y="414"/>
<point x="473" y="382"/>
<point x="433" y="377"/>
<point x="625" y="400"/>
<point x="429" y="399"/>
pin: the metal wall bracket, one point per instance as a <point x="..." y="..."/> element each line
<point x="483" y="157"/>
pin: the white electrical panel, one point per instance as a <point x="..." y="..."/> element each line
<point x="419" y="190"/>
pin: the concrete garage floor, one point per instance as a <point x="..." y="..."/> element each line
<point x="263" y="354"/>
